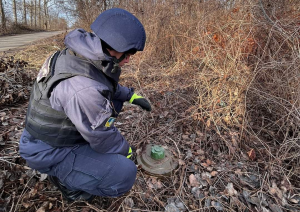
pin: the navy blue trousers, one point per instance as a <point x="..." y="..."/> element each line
<point x="84" y="169"/>
<point x="107" y="175"/>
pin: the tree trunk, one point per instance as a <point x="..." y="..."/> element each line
<point x="3" y="19"/>
<point x="104" y="4"/>
<point x="24" y="13"/>
<point x="15" y="12"/>
<point x="45" y="14"/>
<point x="48" y="18"/>
<point x="40" y="20"/>
<point x="35" y="15"/>
<point x="31" y="13"/>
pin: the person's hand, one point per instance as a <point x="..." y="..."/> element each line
<point x="140" y="101"/>
<point x="131" y="153"/>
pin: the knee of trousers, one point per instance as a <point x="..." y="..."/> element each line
<point x="120" y="179"/>
<point x="104" y="175"/>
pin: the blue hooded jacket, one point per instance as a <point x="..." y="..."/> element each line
<point x="80" y="98"/>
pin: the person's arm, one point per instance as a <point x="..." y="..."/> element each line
<point x="127" y="94"/>
<point x="123" y="93"/>
<point x="88" y="109"/>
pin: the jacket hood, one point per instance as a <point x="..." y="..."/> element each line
<point x="86" y="44"/>
<point x="89" y="45"/>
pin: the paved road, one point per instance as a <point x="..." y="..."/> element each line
<point x="14" y="41"/>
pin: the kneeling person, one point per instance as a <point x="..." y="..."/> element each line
<point x="69" y="132"/>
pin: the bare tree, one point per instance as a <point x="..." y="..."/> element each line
<point x="47" y="22"/>
<point x="31" y="13"/>
<point x="40" y="18"/>
<point x="48" y="16"/>
<point x="15" y="11"/>
<point x="24" y="12"/>
<point x="3" y="18"/>
<point x="104" y="5"/>
<point x="35" y="15"/>
<point x="45" y="14"/>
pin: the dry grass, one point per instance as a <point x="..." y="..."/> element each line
<point x="243" y="59"/>
<point x="237" y="54"/>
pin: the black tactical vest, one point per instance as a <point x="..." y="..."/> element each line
<point x="49" y="125"/>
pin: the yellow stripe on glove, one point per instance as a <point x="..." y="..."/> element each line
<point x="129" y="153"/>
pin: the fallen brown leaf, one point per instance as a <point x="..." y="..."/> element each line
<point x="181" y="162"/>
<point x="214" y="173"/>
<point x="205" y="165"/>
<point x="193" y="181"/>
<point x="208" y="123"/>
<point x="208" y="162"/>
<point x="252" y="154"/>
<point x="230" y="190"/>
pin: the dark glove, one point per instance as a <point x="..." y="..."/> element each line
<point x="141" y="101"/>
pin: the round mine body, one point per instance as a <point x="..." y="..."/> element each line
<point x="156" y="160"/>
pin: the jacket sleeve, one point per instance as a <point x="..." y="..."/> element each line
<point x="123" y="93"/>
<point x="89" y="110"/>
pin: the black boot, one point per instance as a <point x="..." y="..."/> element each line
<point x="70" y="195"/>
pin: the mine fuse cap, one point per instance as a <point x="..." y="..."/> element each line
<point x="157" y="152"/>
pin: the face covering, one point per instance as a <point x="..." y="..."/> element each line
<point x="109" y="68"/>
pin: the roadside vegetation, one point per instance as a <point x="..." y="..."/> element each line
<point x="223" y="78"/>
